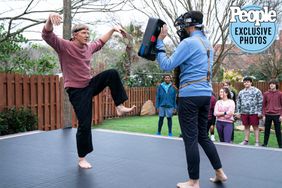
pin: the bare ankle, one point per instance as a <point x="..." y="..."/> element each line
<point x="219" y="171"/>
<point x="121" y="109"/>
<point x="81" y="158"/>
<point x="194" y="181"/>
<point x="219" y="176"/>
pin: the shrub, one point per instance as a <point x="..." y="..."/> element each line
<point x="15" y="120"/>
<point x="3" y="126"/>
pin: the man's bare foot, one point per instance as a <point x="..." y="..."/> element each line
<point x="84" y="164"/>
<point x="122" y="109"/>
<point x="189" y="184"/>
<point x="219" y="176"/>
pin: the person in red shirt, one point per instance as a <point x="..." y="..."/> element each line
<point x="211" y="117"/>
<point x="75" y="56"/>
<point x="272" y="112"/>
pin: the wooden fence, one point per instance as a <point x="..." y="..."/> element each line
<point x="42" y="94"/>
<point x="263" y="86"/>
<point x="104" y="107"/>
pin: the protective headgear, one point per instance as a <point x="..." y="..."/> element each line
<point x="190" y="18"/>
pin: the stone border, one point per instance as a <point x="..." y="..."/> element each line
<point x="180" y="139"/>
<point x="20" y="134"/>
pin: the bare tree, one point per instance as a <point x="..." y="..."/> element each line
<point x="216" y="19"/>
<point x="216" y="16"/>
<point x="269" y="62"/>
<point x="15" y="22"/>
<point x="67" y="19"/>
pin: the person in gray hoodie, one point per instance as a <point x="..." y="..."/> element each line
<point x="249" y="109"/>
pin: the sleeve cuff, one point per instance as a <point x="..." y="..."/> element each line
<point x="158" y="51"/>
<point x="160" y="44"/>
<point x="102" y="42"/>
<point x="46" y="31"/>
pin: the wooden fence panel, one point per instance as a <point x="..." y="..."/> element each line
<point x="105" y="107"/>
<point x="2" y="91"/>
<point x="52" y="102"/>
<point x="44" y="95"/>
<point x="62" y="98"/>
<point x="40" y="114"/>
<point x="10" y="90"/>
<point x="262" y="86"/>
<point x="33" y="94"/>
<point x="57" y="102"/>
<point x="46" y="102"/>
<point x="26" y="92"/>
<point x="39" y="93"/>
<point x="18" y="90"/>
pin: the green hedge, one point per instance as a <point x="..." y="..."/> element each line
<point x="14" y="120"/>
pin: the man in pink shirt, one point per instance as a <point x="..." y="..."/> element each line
<point x="272" y="112"/>
<point x="75" y="56"/>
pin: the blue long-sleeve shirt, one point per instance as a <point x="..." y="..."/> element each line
<point x="166" y="98"/>
<point x="191" y="56"/>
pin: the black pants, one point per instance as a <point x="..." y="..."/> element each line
<point x="193" y="119"/>
<point x="232" y="135"/>
<point x="210" y="123"/>
<point x="169" y="124"/>
<point x="81" y="100"/>
<point x="267" y="125"/>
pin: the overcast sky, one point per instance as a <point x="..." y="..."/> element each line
<point x="15" y="7"/>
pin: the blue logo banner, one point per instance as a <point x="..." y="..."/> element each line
<point x="253" y="28"/>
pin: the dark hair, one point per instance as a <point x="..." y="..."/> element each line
<point x="273" y="81"/>
<point x="227" y="91"/>
<point x="248" y="79"/>
<point x="165" y="75"/>
<point x="227" y="82"/>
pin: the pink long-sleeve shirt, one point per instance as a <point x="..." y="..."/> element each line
<point x="74" y="60"/>
<point x="227" y="106"/>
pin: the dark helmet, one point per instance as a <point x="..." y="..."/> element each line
<point x="190" y="18"/>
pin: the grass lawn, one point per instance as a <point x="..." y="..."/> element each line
<point x="149" y="125"/>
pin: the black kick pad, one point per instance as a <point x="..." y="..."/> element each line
<point x="147" y="49"/>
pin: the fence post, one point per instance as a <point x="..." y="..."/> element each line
<point x="40" y="102"/>
<point x="67" y="109"/>
<point x="2" y="90"/>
